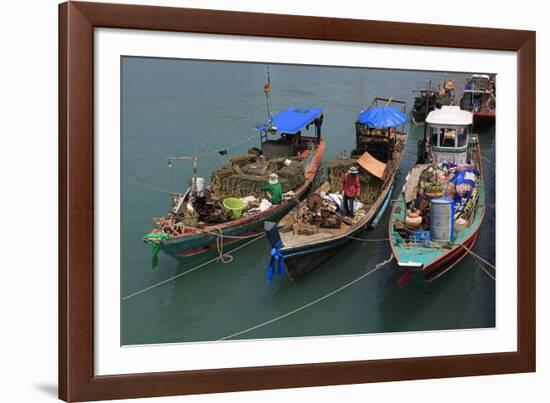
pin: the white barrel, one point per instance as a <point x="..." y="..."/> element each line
<point x="441" y="219"/>
<point x="200" y="184"/>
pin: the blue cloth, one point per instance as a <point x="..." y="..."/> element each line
<point x="382" y="117"/>
<point x="292" y="120"/>
<point x="467" y="176"/>
<point x="276" y="256"/>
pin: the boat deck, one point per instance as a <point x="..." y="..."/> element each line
<point x="291" y="239"/>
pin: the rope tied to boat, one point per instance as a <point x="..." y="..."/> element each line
<point x="367" y="240"/>
<point x="476" y="256"/>
<point x="276" y="258"/>
<point x="190" y="270"/>
<point x="301" y="308"/>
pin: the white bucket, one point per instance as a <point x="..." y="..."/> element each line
<point x="200" y="184"/>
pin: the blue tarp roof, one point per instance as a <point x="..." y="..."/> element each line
<point x="292" y="120"/>
<point x="382" y="117"/>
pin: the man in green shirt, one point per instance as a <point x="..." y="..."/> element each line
<point x="274" y="188"/>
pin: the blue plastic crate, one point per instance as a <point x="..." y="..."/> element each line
<point x="421" y="236"/>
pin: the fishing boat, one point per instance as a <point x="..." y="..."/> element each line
<point x="436" y="217"/>
<point x="234" y="206"/>
<point x="317" y="228"/>
<point x="430" y="98"/>
<point x="479" y="97"/>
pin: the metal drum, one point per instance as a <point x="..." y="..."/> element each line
<point x="441" y="219"/>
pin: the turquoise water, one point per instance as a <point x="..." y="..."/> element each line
<point x="166" y="105"/>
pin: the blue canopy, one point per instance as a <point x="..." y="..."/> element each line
<point x="292" y="120"/>
<point x="382" y="117"/>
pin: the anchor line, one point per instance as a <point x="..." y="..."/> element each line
<point x="477" y="256"/>
<point x="301" y="308"/>
<point x="484" y="269"/>
<point x="190" y="270"/>
<point x="367" y="240"/>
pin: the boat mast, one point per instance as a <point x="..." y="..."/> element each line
<point x="267" y="91"/>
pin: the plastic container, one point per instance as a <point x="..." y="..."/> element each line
<point x="235" y="206"/>
<point x="420" y="236"/>
<point x="200" y="184"/>
<point x="413" y="220"/>
<point x="442" y="219"/>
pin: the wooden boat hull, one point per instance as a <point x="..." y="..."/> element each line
<point x="203" y="244"/>
<point x="482" y="118"/>
<point x="303" y="260"/>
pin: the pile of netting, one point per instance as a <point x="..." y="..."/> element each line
<point x="370" y="184"/>
<point x="246" y="174"/>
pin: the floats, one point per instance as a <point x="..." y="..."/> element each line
<point x="436" y="217"/>
<point x="479" y="97"/>
<point x="317" y="228"/>
<point x="233" y="208"/>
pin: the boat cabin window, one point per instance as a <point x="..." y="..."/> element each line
<point x="449" y="137"/>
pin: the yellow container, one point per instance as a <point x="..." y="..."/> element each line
<point x="234" y="206"/>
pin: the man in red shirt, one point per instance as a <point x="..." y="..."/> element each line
<point x="351" y="189"/>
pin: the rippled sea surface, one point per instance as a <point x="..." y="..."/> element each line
<point x="166" y="105"/>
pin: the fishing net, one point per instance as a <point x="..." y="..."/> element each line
<point x="246" y="175"/>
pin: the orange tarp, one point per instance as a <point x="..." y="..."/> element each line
<point x="372" y="165"/>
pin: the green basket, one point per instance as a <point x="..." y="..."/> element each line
<point x="234" y="206"/>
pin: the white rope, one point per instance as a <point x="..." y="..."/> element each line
<point x="190" y="270"/>
<point x="488" y="160"/>
<point x="301" y="308"/>
<point x="477" y="256"/>
<point x="245" y="140"/>
<point x="484" y="269"/>
<point x="149" y="187"/>
<point x="219" y="245"/>
<point x="367" y="240"/>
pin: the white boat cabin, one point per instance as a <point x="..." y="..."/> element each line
<point x="449" y="131"/>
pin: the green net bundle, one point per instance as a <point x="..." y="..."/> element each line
<point x="370" y="185"/>
<point x="246" y="175"/>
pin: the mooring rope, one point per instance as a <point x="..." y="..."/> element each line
<point x="484" y="269"/>
<point x="245" y="140"/>
<point x="190" y="270"/>
<point x="367" y="240"/>
<point x="488" y="160"/>
<point x="301" y="308"/>
<point x="150" y="187"/>
<point x="477" y="256"/>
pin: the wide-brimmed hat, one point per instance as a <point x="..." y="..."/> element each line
<point x="273" y="179"/>
<point x="353" y="170"/>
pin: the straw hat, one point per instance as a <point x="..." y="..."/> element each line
<point x="274" y="179"/>
<point x="353" y="170"/>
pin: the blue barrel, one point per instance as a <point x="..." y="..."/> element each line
<point x="442" y="223"/>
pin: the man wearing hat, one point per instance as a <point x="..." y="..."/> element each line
<point x="351" y="189"/>
<point x="274" y="188"/>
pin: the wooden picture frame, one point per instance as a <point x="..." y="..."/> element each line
<point x="77" y="21"/>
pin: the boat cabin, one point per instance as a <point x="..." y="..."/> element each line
<point x="449" y="131"/>
<point x="478" y="95"/>
<point x="299" y="131"/>
<point x="377" y="128"/>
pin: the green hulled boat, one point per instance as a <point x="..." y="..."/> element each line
<point x="436" y="218"/>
